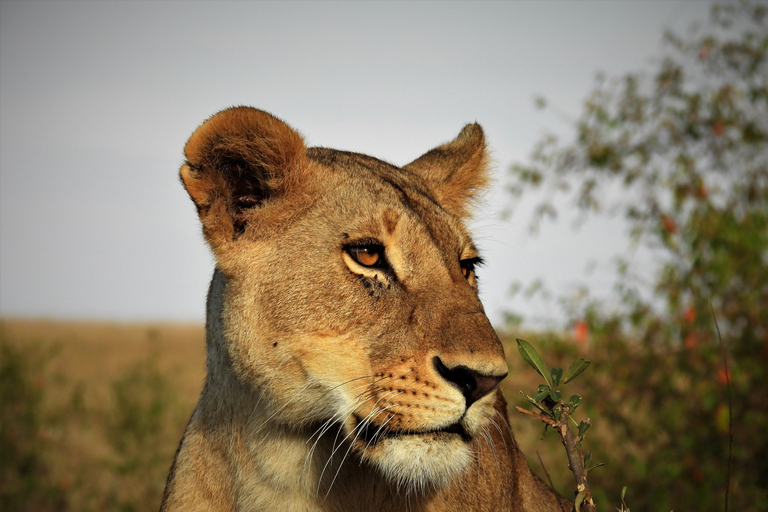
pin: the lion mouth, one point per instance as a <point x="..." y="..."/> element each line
<point x="372" y="434"/>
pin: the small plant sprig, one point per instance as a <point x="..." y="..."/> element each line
<point x="556" y="413"/>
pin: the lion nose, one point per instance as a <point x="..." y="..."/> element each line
<point x="472" y="384"/>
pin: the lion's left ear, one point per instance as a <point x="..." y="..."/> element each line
<point x="457" y="171"/>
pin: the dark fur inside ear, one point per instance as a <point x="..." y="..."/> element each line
<point x="236" y="161"/>
<point x="456" y="171"/>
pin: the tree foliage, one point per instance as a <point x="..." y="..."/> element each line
<point x="682" y="154"/>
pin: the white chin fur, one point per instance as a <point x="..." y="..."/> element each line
<point x="422" y="462"/>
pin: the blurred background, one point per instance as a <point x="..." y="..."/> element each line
<point x="629" y="212"/>
<point x="98" y="100"/>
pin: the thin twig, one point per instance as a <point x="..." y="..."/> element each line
<point x="549" y="421"/>
<point x="549" y="478"/>
<point x="730" y="409"/>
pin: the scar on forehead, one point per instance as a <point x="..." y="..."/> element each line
<point x="390" y="219"/>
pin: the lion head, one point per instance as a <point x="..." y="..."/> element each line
<point x="345" y="295"/>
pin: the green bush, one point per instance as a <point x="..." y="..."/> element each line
<point x="25" y="475"/>
<point x="71" y="452"/>
<point x="687" y="145"/>
<point x="145" y="415"/>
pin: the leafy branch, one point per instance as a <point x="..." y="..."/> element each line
<point x="556" y="413"/>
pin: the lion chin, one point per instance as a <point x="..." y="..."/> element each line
<point x="418" y="461"/>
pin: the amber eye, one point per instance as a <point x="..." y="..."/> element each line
<point x="468" y="266"/>
<point x="367" y="255"/>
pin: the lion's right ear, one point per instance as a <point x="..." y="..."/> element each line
<point x="457" y="171"/>
<point x="238" y="161"/>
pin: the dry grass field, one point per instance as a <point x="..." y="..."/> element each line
<point x="92" y="412"/>
<point x="94" y="353"/>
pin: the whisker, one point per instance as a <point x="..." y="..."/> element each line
<point x="351" y="380"/>
<point x="352" y="406"/>
<point x="330" y="457"/>
<point x="489" y="441"/>
<point x="505" y="423"/>
<point x="286" y="404"/>
<point x="351" y="445"/>
<point x="501" y="434"/>
<point x="340" y="418"/>
<point x="378" y="431"/>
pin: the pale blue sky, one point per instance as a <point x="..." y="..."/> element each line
<point x="98" y="98"/>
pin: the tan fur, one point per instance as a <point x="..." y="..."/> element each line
<point x="333" y="386"/>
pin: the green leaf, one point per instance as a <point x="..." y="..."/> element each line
<point x="623" y="492"/>
<point x="537" y="404"/>
<point x="579" y="499"/>
<point x="534" y="359"/>
<point x="574" y="402"/>
<point x="590" y="468"/>
<point x="541" y="395"/>
<point x="557" y="374"/>
<point x="583" y="427"/>
<point x="554" y="395"/>
<point x="573" y="371"/>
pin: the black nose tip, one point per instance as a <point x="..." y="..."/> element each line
<point x="473" y="384"/>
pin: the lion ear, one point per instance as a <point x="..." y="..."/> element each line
<point x="236" y="162"/>
<point x="457" y="171"/>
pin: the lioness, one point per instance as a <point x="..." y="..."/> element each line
<point x="351" y="366"/>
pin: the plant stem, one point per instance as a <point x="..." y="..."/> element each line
<point x="575" y="459"/>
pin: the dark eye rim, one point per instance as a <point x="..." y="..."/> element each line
<point x="470" y="264"/>
<point x="372" y="247"/>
